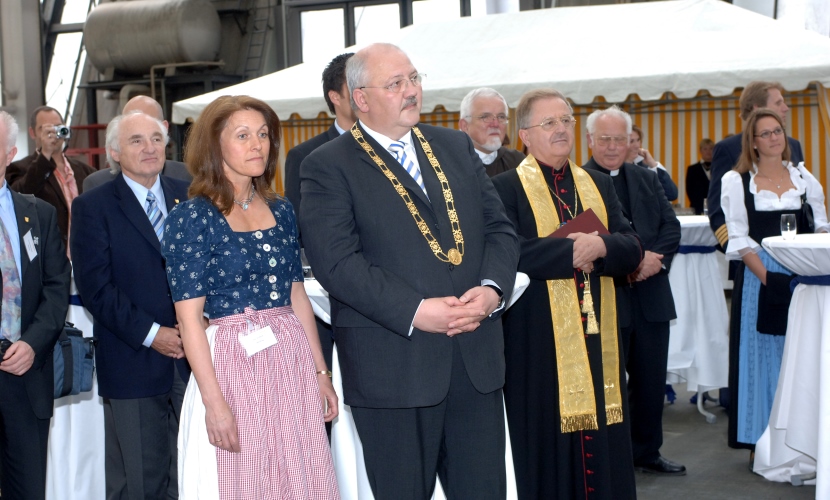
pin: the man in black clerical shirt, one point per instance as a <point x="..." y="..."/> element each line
<point x="484" y="117"/>
<point x="698" y="175"/>
<point x="644" y="300"/>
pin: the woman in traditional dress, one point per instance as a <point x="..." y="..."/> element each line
<point x="763" y="186"/>
<point x="252" y="424"/>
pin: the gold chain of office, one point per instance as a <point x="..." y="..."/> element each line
<point x="453" y="255"/>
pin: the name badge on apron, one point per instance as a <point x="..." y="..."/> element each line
<point x="257" y="340"/>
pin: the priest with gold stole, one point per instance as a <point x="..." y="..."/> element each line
<point x="565" y="381"/>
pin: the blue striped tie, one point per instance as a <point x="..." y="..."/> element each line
<point x="397" y="150"/>
<point x="155" y="215"/>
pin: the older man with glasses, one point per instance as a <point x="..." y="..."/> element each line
<point x="644" y="301"/>
<point x="484" y="117"/>
<point x="565" y="387"/>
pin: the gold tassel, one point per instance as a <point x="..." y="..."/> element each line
<point x="588" y="306"/>
<point x="593" y="326"/>
<point x="587" y="299"/>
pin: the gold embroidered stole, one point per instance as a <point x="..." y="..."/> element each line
<point x="577" y="404"/>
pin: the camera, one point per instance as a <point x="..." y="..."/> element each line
<point x="62" y="132"/>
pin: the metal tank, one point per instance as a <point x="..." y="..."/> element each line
<point x="132" y="36"/>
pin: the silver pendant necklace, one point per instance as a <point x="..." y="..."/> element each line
<point x="245" y="203"/>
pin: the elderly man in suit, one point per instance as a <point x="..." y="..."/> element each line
<point x="148" y="106"/>
<point x="698" y="175"/>
<point x="120" y="274"/>
<point x="484" y="117"/>
<point x="48" y="173"/>
<point x="35" y="298"/>
<point x="644" y="303"/>
<point x="404" y="229"/>
<point x="755" y="95"/>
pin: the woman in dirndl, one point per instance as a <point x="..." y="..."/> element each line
<point x="763" y="186"/>
<point x="252" y="423"/>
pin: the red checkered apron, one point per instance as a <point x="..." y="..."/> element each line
<point x="275" y="399"/>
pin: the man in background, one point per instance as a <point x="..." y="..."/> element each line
<point x="48" y="173"/>
<point x="148" y="106"/>
<point x="34" y="302"/>
<point x="484" y="117"/>
<point x="698" y="175"/>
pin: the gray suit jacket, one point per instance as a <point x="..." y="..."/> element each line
<point x="174" y="169"/>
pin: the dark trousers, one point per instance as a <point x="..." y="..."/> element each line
<point x="461" y="439"/>
<point x="646" y="348"/>
<point x="140" y="437"/>
<point x="23" y="441"/>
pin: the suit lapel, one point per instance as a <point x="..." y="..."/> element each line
<point x="134" y="212"/>
<point x="170" y="199"/>
<point x="635" y="191"/>
<point x="26" y="215"/>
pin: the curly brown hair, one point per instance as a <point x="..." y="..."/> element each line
<point x="203" y="151"/>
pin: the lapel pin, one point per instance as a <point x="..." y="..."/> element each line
<point x="26" y="219"/>
<point x="176" y="200"/>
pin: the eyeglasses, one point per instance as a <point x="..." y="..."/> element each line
<point x="490" y="118"/>
<point x="767" y="133"/>
<point x="605" y="140"/>
<point x="567" y="121"/>
<point x="397" y="86"/>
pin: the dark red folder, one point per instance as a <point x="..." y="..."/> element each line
<point x="586" y="222"/>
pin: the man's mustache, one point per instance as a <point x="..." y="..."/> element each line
<point x="410" y="101"/>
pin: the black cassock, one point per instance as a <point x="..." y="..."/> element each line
<point x="550" y="464"/>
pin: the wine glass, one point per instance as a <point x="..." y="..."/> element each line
<point x="788" y="226"/>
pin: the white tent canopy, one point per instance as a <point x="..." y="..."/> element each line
<point x="612" y="51"/>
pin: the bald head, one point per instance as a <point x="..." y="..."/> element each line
<point x="146" y="105"/>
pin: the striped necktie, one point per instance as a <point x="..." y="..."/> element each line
<point x="155" y="215"/>
<point x="10" y="316"/>
<point x="397" y="150"/>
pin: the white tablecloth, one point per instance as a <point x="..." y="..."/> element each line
<point x="346" y="448"/>
<point x="797" y="439"/>
<point x="699" y="338"/>
<point x="75" y="456"/>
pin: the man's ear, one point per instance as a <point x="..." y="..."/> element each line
<point x="463" y="125"/>
<point x="359" y="97"/>
<point x="523" y="137"/>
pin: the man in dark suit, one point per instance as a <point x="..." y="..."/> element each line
<point x="414" y="266"/>
<point x="336" y="94"/>
<point x="698" y="175"/>
<point x="36" y="295"/>
<point x="148" y="106"/>
<point x="565" y="385"/>
<point x="48" y="173"/>
<point x="644" y="303"/>
<point x="484" y="117"/>
<point x="120" y="274"/>
<point x="755" y="95"/>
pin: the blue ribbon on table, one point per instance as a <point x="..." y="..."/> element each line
<point x="695" y="249"/>
<point x="75" y="300"/>
<point x="823" y="280"/>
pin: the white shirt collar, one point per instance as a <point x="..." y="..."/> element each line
<point x="384" y="141"/>
<point x="337" y="127"/>
<point x="487" y="158"/>
<point x="140" y="193"/>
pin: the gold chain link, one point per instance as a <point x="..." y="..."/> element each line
<point x="454" y="255"/>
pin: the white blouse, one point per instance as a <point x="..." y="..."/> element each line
<point x="734" y="209"/>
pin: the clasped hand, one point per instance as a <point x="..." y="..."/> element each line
<point x="649" y="266"/>
<point x="453" y="315"/>
<point x="588" y="247"/>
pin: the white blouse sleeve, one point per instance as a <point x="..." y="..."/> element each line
<point x="815" y="197"/>
<point x="737" y="221"/>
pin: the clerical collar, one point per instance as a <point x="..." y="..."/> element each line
<point x="612" y="173"/>
<point x="487" y="158"/>
<point x="557" y="174"/>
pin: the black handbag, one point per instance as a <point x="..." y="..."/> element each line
<point x="774" y="304"/>
<point x="807" y="214"/>
<point x="74" y="362"/>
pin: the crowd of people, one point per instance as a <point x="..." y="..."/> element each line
<point x="215" y="374"/>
